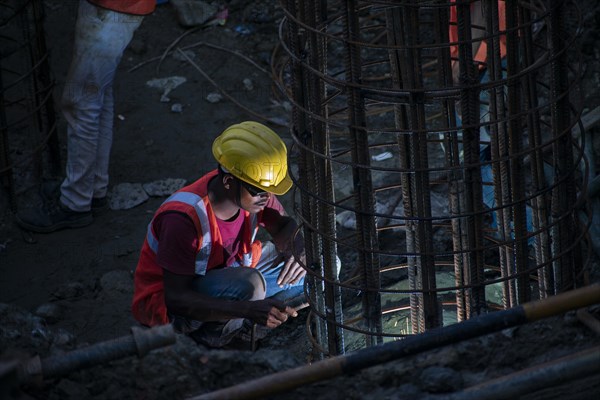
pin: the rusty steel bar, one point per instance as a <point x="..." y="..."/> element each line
<point x="296" y="40"/>
<point x="397" y="65"/>
<point x="498" y="131"/>
<point x="6" y="173"/>
<point x="452" y="159"/>
<point x="497" y="128"/>
<point x="325" y="217"/>
<point x="515" y="146"/>
<point x="419" y="186"/>
<point x="561" y="146"/>
<point x="538" y="178"/>
<point x="432" y="314"/>
<point x="473" y="201"/>
<point x="363" y="187"/>
<point x="46" y="112"/>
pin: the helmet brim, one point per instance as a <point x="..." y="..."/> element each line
<point x="280" y="189"/>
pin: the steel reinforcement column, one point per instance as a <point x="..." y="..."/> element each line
<point x="436" y="159"/>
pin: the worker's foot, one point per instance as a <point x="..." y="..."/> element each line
<point x="50" y="192"/>
<point x="251" y="331"/>
<point x="248" y="337"/>
<point x="216" y="335"/>
<point x="52" y="217"/>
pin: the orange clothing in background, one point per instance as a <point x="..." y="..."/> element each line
<point x="135" y="7"/>
<point x="480" y="55"/>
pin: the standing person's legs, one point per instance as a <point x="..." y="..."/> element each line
<point x="101" y="36"/>
<point x="105" y="138"/>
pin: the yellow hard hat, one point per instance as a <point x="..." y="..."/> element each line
<point x="254" y="154"/>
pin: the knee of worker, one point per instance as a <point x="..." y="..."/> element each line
<point x="250" y="284"/>
<point x="84" y="98"/>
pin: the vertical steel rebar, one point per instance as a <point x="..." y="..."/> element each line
<point x="515" y="137"/>
<point x="300" y="130"/>
<point x="324" y="178"/>
<point x="363" y="188"/>
<point x="473" y="205"/>
<point x="564" y="194"/>
<point x="395" y="37"/>
<point x="411" y="69"/>
<point x="47" y="111"/>
<point x="6" y="172"/>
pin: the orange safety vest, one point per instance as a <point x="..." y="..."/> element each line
<point x="481" y="55"/>
<point x="148" y="306"/>
<point x="135" y="7"/>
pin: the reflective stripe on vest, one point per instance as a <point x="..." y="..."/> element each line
<point x="253" y="226"/>
<point x="195" y="201"/>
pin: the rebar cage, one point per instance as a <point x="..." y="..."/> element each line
<point x="439" y="157"/>
<point x="28" y="139"/>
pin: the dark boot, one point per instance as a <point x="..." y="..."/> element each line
<point x="50" y="192"/>
<point x="52" y="217"/>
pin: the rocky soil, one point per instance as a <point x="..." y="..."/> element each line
<point x="71" y="289"/>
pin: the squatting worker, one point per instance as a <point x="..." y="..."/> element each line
<point x="201" y="267"/>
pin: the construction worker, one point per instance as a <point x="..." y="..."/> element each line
<point x="201" y="267"/>
<point x="103" y="30"/>
<point x="479" y="46"/>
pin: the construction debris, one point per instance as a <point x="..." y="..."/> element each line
<point x="166" y="85"/>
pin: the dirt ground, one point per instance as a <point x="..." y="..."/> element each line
<point x="63" y="290"/>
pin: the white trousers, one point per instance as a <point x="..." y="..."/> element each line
<point x="101" y="36"/>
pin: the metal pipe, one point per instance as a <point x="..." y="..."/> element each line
<point x="589" y="320"/>
<point x="481" y="325"/>
<point x="140" y="342"/>
<point x="529" y="380"/>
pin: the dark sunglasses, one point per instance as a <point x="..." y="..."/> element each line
<point x="253" y="190"/>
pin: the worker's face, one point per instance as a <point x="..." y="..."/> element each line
<point x="252" y="199"/>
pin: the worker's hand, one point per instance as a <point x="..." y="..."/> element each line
<point x="291" y="272"/>
<point x="271" y="313"/>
